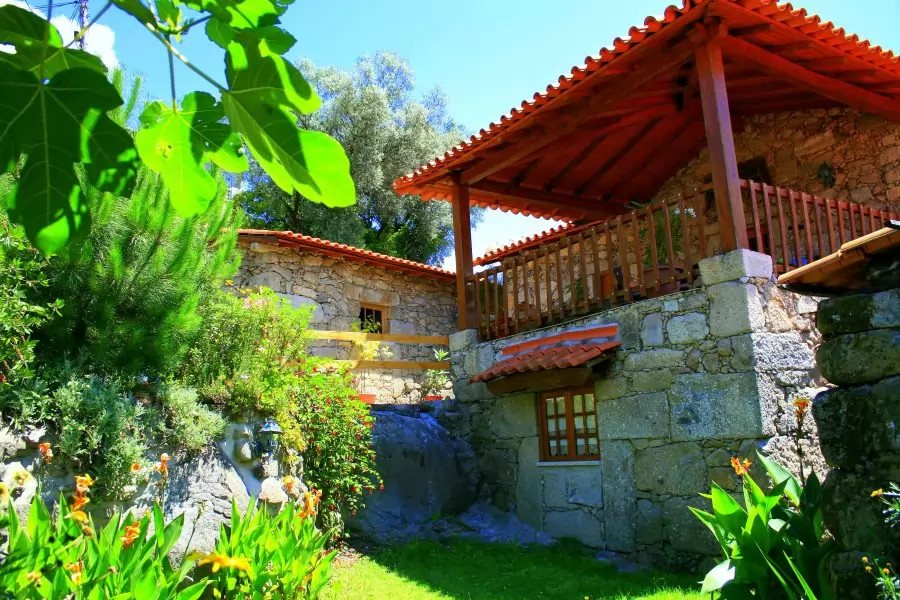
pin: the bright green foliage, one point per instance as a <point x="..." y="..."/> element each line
<point x="285" y="555"/>
<point x="187" y="423"/>
<point x="776" y="545"/>
<point x="251" y="357"/>
<point x="460" y="569"/>
<point x="65" y="557"/>
<point x="23" y="272"/>
<point x="437" y="379"/>
<point x="387" y="133"/>
<point x="55" y="106"/>
<point x="99" y="427"/>
<point x="132" y="291"/>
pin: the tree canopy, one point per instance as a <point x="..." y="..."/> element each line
<point x="386" y="132"/>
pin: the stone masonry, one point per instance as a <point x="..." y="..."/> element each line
<point x="336" y="287"/>
<point x="701" y="376"/>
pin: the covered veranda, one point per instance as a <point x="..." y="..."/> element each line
<point x="597" y="149"/>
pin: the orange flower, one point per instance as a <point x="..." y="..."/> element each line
<point x="79" y="501"/>
<point x="221" y="561"/>
<point x="131" y="533"/>
<point x="77" y="570"/>
<point x="877" y="493"/>
<point x="800" y="406"/>
<point x="33" y="577"/>
<point x="288" y="481"/>
<point x="83" y="483"/>
<point x="308" y="503"/>
<point x="80" y="516"/>
<point x="46" y="452"/>
<point x="740" y="468"/>
<point x="163" y="468"/>
<point x="135" y="467"/>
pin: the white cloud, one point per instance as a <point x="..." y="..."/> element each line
<point x="98" y="41"/>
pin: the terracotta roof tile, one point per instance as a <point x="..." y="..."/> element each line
<point x="496" y="254"/>
<point x="314" y="244"/>
<point x="560" y="351"/>
<point x="785" y="13"/>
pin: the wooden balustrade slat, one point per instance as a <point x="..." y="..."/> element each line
<point x="610" y="266"/>
<point x="477" y="297"/>
<point x="829" y="221"/>
<point x="842" y="238"/>
<point x="595" y="256"/>
<point x="782" y="226"/>
<point x="872" y="224"/>
<point x="547" y="280"/>
<point x="559" y="281"/>
<point x="531" y="259"/>
<point x="807" y="226"/>
<point x="770" y="230"/>
<point x="654" y="252"/>
<point x="585" y="284"/>
<point x="624" y="263"/>
<point x="700" y="217"/>
<point x="638" y="253"/>
<point x="685" y="238"/>
<point x="497" y="314"/>
<point x="820" y="238"/>
<point x="570" y="263"/>
<point x="515" y="295"/>
<point x="852" y="210"/>
<point x="795" y="229"/>
<point x="670" y="245"/>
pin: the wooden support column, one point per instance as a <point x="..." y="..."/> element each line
<point x="720" y="140"/>
<point x="462" y="237"/>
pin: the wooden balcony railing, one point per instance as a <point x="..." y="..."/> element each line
<point x="654" y="251"/>
<point x="646" y="253"/>
<point x="796" y="228"/>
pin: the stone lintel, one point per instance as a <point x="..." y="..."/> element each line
<point x="734" y="265"/>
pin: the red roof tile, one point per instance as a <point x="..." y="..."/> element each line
<point x="799" y="20"/>
<point x="497" y="254"/>
<point x="555" y="357"/>
<point x="320" y="246"/>
<point x="571" y="348"/>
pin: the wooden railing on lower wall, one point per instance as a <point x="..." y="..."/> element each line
<point x="399" y="338"/>
<point x="796" y="228"/>
<point x="646" y="253"/>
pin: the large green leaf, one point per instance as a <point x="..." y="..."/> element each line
<point x="59" y="123"/>
<point x="728" y="512"/>
<point x="177" y="144"/>
<point x="265" y="92"/>
<point x="241" y="14"/>
<point x="778" y="474"/>
<point x="718" y="577"/>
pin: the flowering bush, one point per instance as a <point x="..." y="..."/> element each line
<point x="775" y="546"/>
<point x="65" y="557"/>
<point x="280" y="557"/>
<point x="887" y="580"/>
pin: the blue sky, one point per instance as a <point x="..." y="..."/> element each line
<point x="487" y="55"/>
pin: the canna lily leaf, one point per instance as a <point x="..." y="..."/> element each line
<point x="718" y="577"/>
<point x="728" y="512"/>
<point x="240" y="14"/>
<point x="778" y="474"/>
<point x="136" y="9"/>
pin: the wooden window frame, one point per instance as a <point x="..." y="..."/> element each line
<point x="384" y="314"/>
<point x="544" y="436"/>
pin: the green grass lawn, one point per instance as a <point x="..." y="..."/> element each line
<point x="461" y="570"/>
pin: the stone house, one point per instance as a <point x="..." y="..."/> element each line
<point x="407" y="308"/>
<point x="606" y="371"/>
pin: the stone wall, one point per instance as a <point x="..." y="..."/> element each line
<point x="863" y="151"/>
<point x="701" y="376"/>
<point x="336" y="287"/>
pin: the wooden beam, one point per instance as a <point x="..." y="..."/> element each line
<point x="791" y="46"/>
<point x="462" y="239"/>
<point x="362" y="336"/>
<point x="751" y="29"/>
<point x="720" y="140"/>
<point x="535" y="381"/>
<point x="515" y="151"/>
<point x="662" y="166"/>
<point x="412" y="365"/>
<point x="544" y="201"/>
<point x="834" y="89"/>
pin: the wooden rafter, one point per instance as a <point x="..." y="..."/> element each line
<point x="543" y="201"/>
<point x="588" y="186"/>
<point x="662" y="166"/>
<point x="799" y="76"/>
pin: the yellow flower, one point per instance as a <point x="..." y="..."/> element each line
<point x="33" y="577"/>
<point x="221" y="561"/>
<point x="740" y="469"/>
<point x="131" y="533"/>
<point x="79" y="501"/>
<point x="80" y="516"/>
<point x="865" y="559"/>
<point x="20" y="476"/>
<point x="87" y="531"/>
<point x="83" y="483"/>
<point x="135" y="467"/>
<point x="4" y="492"/>
<point x="77" y="570"/>
<point x="877" y="493"/>
<point x="288" y="482"/>
<point x="229" y="282"/>
<point x="868" y="569"/>
<point x="886" y="571"/>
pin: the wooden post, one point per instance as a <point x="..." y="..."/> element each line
<point x="462" y="237"/>
<point x="719" y="138"/>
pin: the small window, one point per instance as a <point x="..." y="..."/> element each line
<point x="371" y="319"/>
<point x="567" y="420"/>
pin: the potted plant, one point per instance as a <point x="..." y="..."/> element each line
<point x="437" y="379"/>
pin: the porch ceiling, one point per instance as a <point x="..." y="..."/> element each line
<point x="619" y="127"/>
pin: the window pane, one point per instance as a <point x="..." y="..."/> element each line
<point x="554" y="448"/>
<point x="561" y="426"/>
<point x="548" y="406"/>
<point x="560" y="406"/>
<point x="581" y="446"/>
<point x="551" y="426"/>
<point x="593" y="446"/>
<point x="563" y="448"/>
<point x="592" y="424"/>
<point x="578" y="403"/>
<point x="579" y="424"/>
<point x="589" y="402"/>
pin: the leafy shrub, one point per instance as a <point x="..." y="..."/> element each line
<point x="887" y="580"/>
<point x="187" y="423"/>
<point x="99" y="428"/>
<point x="437" y="379"/>
<point x="64" y="557"/>
<point x="776" y="545"/>
<point x="281" y="557"/>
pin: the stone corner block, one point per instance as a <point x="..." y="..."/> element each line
<point x="735" y="308"/>
<point x="461" y="340"/>
<point x="734" y="265"/>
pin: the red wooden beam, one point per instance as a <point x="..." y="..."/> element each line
<point x="720" y="140"/>
<point x="543" y="201"/>
<point x="462" y="239"/>
<point x="830" y="87"/>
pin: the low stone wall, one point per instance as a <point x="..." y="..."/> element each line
<point x="701" y="376"/>
<point x="858" y="420"/>
<point x="336" y="288"/>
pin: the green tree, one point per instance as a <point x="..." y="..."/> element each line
<point x="386" y="133"/>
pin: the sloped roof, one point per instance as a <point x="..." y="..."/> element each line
<point x="531" y="241"/>
<point x="590" y="143"/>
<point x="320" y="246"/>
